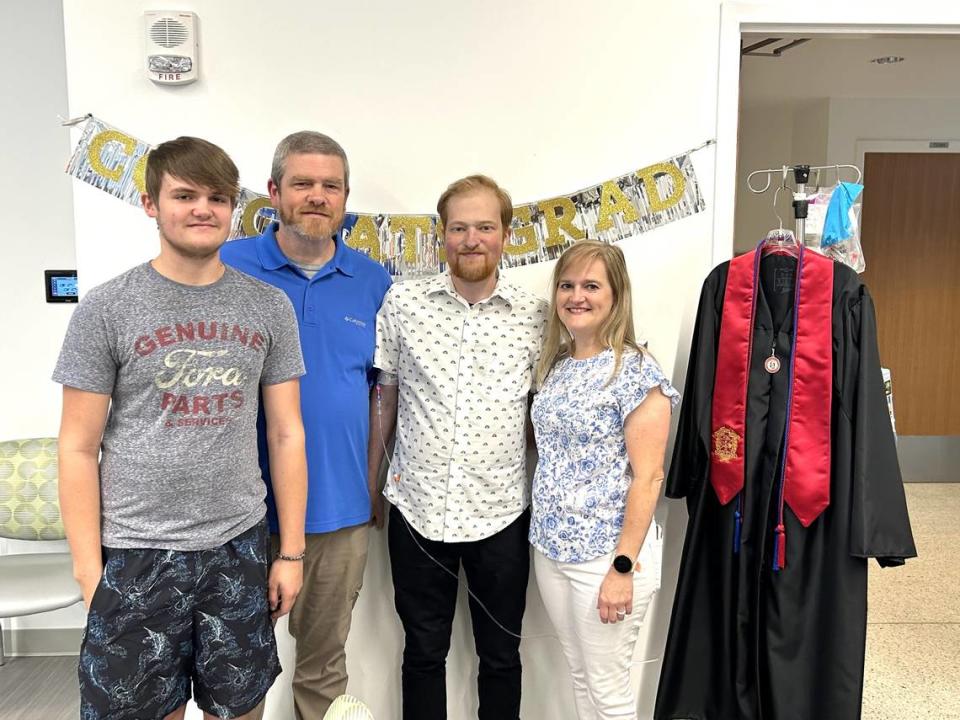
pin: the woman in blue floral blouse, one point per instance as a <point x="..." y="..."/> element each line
<point x="601" y="435"/>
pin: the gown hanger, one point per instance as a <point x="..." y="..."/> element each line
<point x="780" y="240"/>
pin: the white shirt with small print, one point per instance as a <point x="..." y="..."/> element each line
<point x="464" y="372"/>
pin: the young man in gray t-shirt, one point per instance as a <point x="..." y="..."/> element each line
<point x="163" y="369"/>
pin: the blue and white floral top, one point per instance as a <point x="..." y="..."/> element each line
<point x="580" y="487"/>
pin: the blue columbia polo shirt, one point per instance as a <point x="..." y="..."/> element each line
<point x="337" y="314"/>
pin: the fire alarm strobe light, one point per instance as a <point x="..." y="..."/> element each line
<point x="172" y="50"/>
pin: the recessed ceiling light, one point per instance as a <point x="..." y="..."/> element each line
<point x="888" y="60"/>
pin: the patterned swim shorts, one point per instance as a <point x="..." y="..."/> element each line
<point x="161" y="621"/>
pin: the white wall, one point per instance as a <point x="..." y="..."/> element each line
<point x="853" y="119"/>
<point x="819" y="132"/>
<point x="811" y="127"/>
<point x="36" y="202"/>
<point x="766" y="140"/>
<point x="545" y="97"/>
<point x="773" y="134"/>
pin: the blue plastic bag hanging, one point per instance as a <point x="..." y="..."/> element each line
<point x="838" y="224"/>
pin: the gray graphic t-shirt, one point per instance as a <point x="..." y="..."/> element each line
<point x="183" y="366"/>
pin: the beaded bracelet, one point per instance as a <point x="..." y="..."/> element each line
<point x="291" y="558"/>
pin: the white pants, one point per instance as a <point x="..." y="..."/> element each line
<point x="599" y="655"/>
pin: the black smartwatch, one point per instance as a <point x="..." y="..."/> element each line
<point x="623" y="565"/>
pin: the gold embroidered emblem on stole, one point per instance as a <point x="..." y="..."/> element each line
<point x="725" y="444"/>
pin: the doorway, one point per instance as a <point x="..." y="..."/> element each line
<point x="905" y="140"/>
<point x="838" y="92"/>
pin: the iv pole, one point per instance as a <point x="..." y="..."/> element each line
<point x="801" y="177"/>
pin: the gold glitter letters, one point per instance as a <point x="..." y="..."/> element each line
<point x="523" y="230"/>
<point x="649" y="177"/>
<point x="363" y="236"/>
<point x="140" y="173"/>
<point x="415" y="229"/>
<point x="97" y="145"/>
<point x="614" y="210"/>
<point x="562" y="222"/>
<point x="249" y="221"/>
<point x="613" y="200"/>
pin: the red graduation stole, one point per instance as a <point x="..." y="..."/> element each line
<point x="804" y="475"/>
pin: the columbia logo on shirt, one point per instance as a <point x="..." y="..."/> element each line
<point x="358" y="323"/>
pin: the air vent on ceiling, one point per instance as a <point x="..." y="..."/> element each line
<point x="753" y="50"/>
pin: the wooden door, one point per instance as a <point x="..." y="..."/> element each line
<point x="911" y="245"/>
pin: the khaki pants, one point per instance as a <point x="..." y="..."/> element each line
<point x="320" y="619"/>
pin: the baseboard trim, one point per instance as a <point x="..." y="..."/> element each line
<point x="28" y="642"/>
<point x="929" y="458"/>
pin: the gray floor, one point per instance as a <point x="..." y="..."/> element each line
<point x="913" y="633"/>
<point x="913" y="628"/>
<point x="39" y="688"/>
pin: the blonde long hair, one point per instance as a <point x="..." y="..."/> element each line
<point x="616" y="332"/>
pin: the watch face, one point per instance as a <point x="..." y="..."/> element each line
<point x="622" y="564"/>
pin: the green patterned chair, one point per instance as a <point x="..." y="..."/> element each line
<point x="30" y="510"/>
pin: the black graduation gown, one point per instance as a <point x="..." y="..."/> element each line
<point x="745" y="642"/>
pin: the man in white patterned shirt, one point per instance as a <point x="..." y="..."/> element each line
<point x="456" y="353"/>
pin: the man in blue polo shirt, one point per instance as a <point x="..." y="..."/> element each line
<point x="336" y="292"/>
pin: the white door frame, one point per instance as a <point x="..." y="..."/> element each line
<point x="806" y="19"/>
